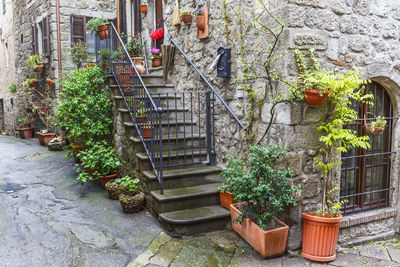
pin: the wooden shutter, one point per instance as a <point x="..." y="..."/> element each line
<point x="46" y="36"/>
<point x="78" y="28"/>
<point x="137" y="19"/>
<point x="34" y="39"/>
<point x="159" y="20"/>
<point x="122" y="28"/>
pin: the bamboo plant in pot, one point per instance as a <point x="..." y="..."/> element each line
<point x="261" y="190"/>
<point x="320" y="229"/>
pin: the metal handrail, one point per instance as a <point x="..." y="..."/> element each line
<point x="207" y="82"/>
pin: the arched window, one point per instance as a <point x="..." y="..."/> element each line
<point x="365" y="174"/>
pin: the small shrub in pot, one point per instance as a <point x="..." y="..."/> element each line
<point x="130" y="197"/>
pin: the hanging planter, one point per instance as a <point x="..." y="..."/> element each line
<point x="376" y="127"/>
<point x="314" y="98"/>
<point x="50" y="82"/>
<point x="186" y="17"/>
<point x="201" y="21"/>
<point x="143" y="9"/>
<point x="100" y="25"/>
<point x="40" y="67"/>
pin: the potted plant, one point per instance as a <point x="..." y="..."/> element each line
<point x="100" y="25"/>
<point x="262" y="190"/>
<point x="320" y="229"/>
<point x="113" y="189"/>
<point x="312" y="80"/>
<point x="200" y="19"/>
<point x="35" y="63"/>
<point x="143" y="9"/>
<point x="156" y="57"/>
<point x="147" y="130"/>
<point x="135" y="50"/>
<point x="157" y="35"/>
<point x="106" y="57"/>
<point x="31" y="82"/>
<point x="24" y="128"/>
<point x="45" y="135"/>
<point x="50" y="82"/>
<point x="130" y="198"/>
<point x="141" y="114"/>
<point x="376" y="127"/>
<point x="186" y="17"/>
<point x="98" y="161"/>
<point x="225" y="196"/>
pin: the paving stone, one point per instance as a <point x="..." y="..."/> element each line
<point x="394" y="252"/>
<point x="247" y="256"/>
<point x="167" y="253"/>
<point x="374" y="251"/>
<point x="354" y="260"/>
<point x="190" y="256"/>
<point x="295" y="262"/>
<point x="220" y="241"/>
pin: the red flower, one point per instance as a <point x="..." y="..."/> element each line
<point x="157" y="34"/>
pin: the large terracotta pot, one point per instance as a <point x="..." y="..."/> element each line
<point x="313" y="98"/>
<point x="187" y="19"/>
<point x="106" y="179"/>
<point x="102" y="31"/>
<point x="269" y="244"/>
<point x="201" y="22"/>
<point x="139" y="64"/>
<point x="320" y="237"/>
<point x="226" y="199"/>
<point x="25" y="133"/>
<point x="147" y="131"/>
<point x="157" y="62"/>
<point x="44" y="139"/>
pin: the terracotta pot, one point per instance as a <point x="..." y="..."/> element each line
<point x="201" y="22"/>
<point x="42" y="110"/>
<point x="320" y="237"/>
<point x="187" y="19"/>
<point x="106" y="67"/>
<point x="157" y="62"/>
<point x="141" y="119"/>
<point x="376" y="132"/>
<point x="123" y="78"/>
<point x="25" y="133"/>
<point x="50" y="83"/>
<point x="113" y="190"/>
<point x="28" y="124"/>
<point x="131" y="204"/>
<point x="40" y="67"/>
<point x="143" y="9"/>
<point x="226" y="199"/>
<point x="269" y="243"/>
<point x="106" y="179"/>
<point x="147" y="131"/>
<point x="44" y="139"/>
<point x="102" y="31"/>
<point x="139" y="64"/>
<point x="313" y="98"/>
<point x="34" y="84"/>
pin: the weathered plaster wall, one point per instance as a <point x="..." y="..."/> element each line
<point x="344" y="33"/>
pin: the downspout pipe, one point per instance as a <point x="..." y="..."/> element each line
<point x="59" y="42"/>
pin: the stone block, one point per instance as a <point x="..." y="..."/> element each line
<point x="310" y="39"/>
<point x="361" y="7"/>
<point x="390" y="31"/>
<point x="374" y="251"/>
<point x="312" y="3"/>
<point x="349" y="25"/>
<point x="340" y="7"/>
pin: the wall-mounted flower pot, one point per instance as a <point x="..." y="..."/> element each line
<point x="313" y="97"/>
<point x="201" y="22"/>
<point x="187" y="19"/>
<point x="44" y="139"/>
<point x="131" y="204"/>
<point x="102" y="31"/>
<point x="375" y="132"/>
<point x="50" y="83"/>
<point x="43" y="110"/>
<point x="25" y="133"/>
<point x="34" y="84"/>
<point x="106" y="179"/>
<point x="226" y="199"/>
<point x="40" y="67"/>
<point x="320" y="237"/>
<point x="157" y="62"/>
<point x="143" y="9"/>
<point x="269" y="243"/>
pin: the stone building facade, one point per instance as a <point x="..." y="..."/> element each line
<point x="345" y="34"/>
<point x="7" y="67"/>
<point x="36" y="22"/>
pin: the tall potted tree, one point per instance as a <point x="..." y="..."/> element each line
<point x="262" y="190"/>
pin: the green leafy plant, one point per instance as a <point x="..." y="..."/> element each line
<point x="141" y="111"/>
<point x="34" y="61"/>
<point x="13" y="88"/>
<point x="135" y="45"/>
<point x="85" y="107"/>
<point x="259" y="182"/>
<point x="98" y="159"/>
<point x="334" y="208"/>
<point x="128" y="186"/>
<point x="79" y="53"/>
<point x="185" y="12"/>
<point x="28" y="82"/>
<point x="105" y="55"/>
<point x="224" y="188"/>
<point x="379" y="122"/>
<point x="95" y="23"/>
<point x="21" y="122"/>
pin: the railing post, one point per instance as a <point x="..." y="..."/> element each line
<point x="160" y="111"/>
<point x="208" y="126"/>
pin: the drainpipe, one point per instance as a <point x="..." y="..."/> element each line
<point x="58" y="42"/>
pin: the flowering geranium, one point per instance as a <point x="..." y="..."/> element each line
<point x="157" y="34"/>
<point x="155" y="53"/>
<point x="135" y="45"/>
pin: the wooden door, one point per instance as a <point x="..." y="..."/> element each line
<point x="159" y="20"/>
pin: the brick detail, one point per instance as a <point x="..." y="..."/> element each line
<point x="367" y="217"/>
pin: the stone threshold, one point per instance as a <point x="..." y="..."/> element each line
<point x="366" y="217"/>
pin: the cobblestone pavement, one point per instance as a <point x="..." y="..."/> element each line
<point x="49" y="219"/>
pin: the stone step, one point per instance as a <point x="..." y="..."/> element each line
<point x="163" y="100"/>
<point x="175" y="199"/>
<point x="189" y="176"/>
<point x="171" y="115"/>
<point x="154" y="79"/>
<point x="172" y="127"/>
<point x="196" y="220"/>
<point x="156" y="70"/>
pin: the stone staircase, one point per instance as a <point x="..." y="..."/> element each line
<point x="190" y="202"/>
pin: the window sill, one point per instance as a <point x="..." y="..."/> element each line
<point x="366" y="217"/>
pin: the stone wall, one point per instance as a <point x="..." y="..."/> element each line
<point x="344" y="33"/>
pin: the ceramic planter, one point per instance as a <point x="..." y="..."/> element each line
<point x="50" y="83"/>
<point x="201" y="22"/>
<point x="113" y="190"/>
<point x="226" y="199"/>
<point x="131" y="204"/>
<point x="106" y="179"/>
<point x="45" y="139"/>
<point x="143" y="9"/>
<point x="139" y="64"/>
<point x="313" y="98"/>
<point x="141" y="119"/>
<point x="102" y="31"/>
<point x="157" y="62"/>
<point x="269" y="243"/>
<point x="40" y="67"/>
<point x="320" y="237"/>
<point x="187" y="19"/>
<point x="25" y="133"/>
<point x="147" y="131"/>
